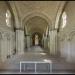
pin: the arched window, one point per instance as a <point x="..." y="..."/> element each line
<point x="8" y="18"/>
<point x="64" y="19"/>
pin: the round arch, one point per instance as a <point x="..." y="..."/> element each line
<point x="39" y="39"/>
<point x="40" y="14"/>
<point x="42" y="24"/>
<point x="71" y="35"/>
<point x="14" y="13"/>
<point x="59" y="13"/>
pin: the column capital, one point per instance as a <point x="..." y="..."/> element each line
<point x="27" y="35"/>
<point x="53" y="30"/>
<point x="19" y="29"/>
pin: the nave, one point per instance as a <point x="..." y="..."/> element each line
<point x="36" y="53"/>
<point x="41" y="33"/>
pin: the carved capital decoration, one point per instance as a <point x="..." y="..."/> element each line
<point x="71" y="35"/>
<point x="19" y="29"/>
<point x="7" y="36"/>
<point x="62" y="38"/>
<point x="3" y="35"/>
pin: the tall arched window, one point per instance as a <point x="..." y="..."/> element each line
<point x="64" y="19"/>
<point x="8" y="18"/>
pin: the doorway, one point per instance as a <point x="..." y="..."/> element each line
<point x="36" y="39"/>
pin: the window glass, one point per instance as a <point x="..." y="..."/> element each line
<point x="8" y="18"/>
<point x="64" y="19"/>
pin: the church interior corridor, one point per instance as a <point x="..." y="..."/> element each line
<point x="37" y="37"/>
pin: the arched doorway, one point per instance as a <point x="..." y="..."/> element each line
<point x="36" y="23"/>
<point x="36" y="39"/>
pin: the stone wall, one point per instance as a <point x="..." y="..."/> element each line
<point x="7" y="34"/>
<point x="7" y="44"/>
<point x="66" y="35"/>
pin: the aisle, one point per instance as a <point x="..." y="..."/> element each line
<point x="36" y="54"/>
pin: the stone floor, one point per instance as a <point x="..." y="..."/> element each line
<point x="36" y="54"/>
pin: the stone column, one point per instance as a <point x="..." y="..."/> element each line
<point x="13" y="44"/>
<point x="44" y="42"/>
<point x="8" y="45"/>
<point x="19" y="41"/>
<point x="53" y="42"/>
<point x="48" y="42"/>
<point x="28" y="41"/>
<point x="69" y="57"/>
<point x="68" y="51"/>
<point x="4" y="47"/>
<point x="0" y="44"/>
<point x="25" y="42"/>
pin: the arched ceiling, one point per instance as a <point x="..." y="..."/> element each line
<point x="36" y="24"/>
<point x="48" y="8"/>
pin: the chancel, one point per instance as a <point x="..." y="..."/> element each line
<point x="37" y="37"/>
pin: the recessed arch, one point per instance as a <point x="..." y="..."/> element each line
<point x="59" y="13"/>
<point x="33" y="38"/>
<point x="10" y="13"/>
<point x="71" y="35"/>
<point x="37" y="23"/>
<point x="33" y="28"/>
<point x="14" y="13"/>
<point x="40" y="14"/>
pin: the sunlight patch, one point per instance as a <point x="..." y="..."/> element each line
<point x="43" y="53"/>
<point x="46" y="60"/>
